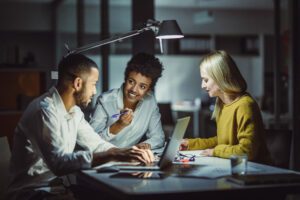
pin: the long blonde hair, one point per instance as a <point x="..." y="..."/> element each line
<point x="222" y="69"/>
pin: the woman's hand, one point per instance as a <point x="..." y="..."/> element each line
<point x="184" y="145"/>
<point x="207" y="152"/>
<point x="126" y="118"/>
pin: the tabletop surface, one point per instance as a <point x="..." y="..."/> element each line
<point x="210" y="176"/>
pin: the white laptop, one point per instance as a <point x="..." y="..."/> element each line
<point x="169" y="152"/>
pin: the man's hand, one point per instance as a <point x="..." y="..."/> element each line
<point x="132" y="154"/>
<point x="145" y="155"/>
<point x="184" y="145"/>
<point x="143" y="146"/>
<point x="142" y="174"/>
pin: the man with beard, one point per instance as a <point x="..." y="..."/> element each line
<point x="51" y="126"/>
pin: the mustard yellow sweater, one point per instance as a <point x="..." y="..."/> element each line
<point x="239" y="131"/>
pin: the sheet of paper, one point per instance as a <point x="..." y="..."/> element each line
<point x="213" y="167"/>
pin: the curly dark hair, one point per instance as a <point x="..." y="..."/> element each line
<point x="147" y="65"/>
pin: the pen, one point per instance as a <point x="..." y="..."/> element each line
<point x="119" y="114"/>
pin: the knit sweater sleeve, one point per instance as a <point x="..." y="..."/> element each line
<point x="202" y="143"/>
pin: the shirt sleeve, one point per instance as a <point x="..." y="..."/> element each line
<point x="155" y="134"/>
<point x="202" y="143"/>
<point x="99" y="122"/>
<point x="90" y="140"/>
<point x="247" y="128"/>
<point x="50" y="142"/>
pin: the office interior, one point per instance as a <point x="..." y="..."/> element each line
<point x="261" y="35"/>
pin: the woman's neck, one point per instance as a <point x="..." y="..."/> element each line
<point x="228" y="99"/>
<point x="130" y="105"/>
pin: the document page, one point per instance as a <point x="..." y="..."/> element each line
<point x="212" y="167"/>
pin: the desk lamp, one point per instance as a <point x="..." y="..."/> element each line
<point x="167" y="29"/>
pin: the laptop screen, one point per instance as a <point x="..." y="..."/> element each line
<point x="173" y="143"/>
<point x="168" y="154"/>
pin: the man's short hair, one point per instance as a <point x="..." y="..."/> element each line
<point x="74" y="65"/>
<point x="147" y="65"/>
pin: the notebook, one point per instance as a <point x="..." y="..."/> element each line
<point x="169" y="152"/>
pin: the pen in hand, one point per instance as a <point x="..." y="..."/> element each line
<point x="119" y="114"/>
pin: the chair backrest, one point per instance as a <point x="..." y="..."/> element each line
<point x="166" y="114"/>
<point x="9" y="121"/>
<point x="166" y="118"/>
<point x="279" y="144"/>
<point x="4" y="165"/>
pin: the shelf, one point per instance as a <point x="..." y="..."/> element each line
<point x="238" y="44"/>
<point x="20" y="86"/>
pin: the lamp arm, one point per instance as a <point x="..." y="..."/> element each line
<point x="110" y="40"/>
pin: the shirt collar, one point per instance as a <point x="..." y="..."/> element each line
<point x="61" y="106"/>
<point x="120" y="97"/>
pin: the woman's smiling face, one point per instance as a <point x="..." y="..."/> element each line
<point x="136" y="87"/>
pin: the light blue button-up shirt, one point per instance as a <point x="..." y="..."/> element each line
<point x="45" y="140"/>
<point x="146" y="120"/>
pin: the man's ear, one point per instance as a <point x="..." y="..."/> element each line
<point x="77" y="83"/>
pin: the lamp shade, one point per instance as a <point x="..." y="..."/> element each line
<point x="169" y="29"/>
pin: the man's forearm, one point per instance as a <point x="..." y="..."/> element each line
<point x="103" y="157"/>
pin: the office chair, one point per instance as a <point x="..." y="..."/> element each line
<point x="166" y="118"/>
<point x="279" y="145"/>
<point x="9" y="122"/>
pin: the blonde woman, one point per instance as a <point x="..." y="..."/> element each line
<point x="239" y="124"/>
